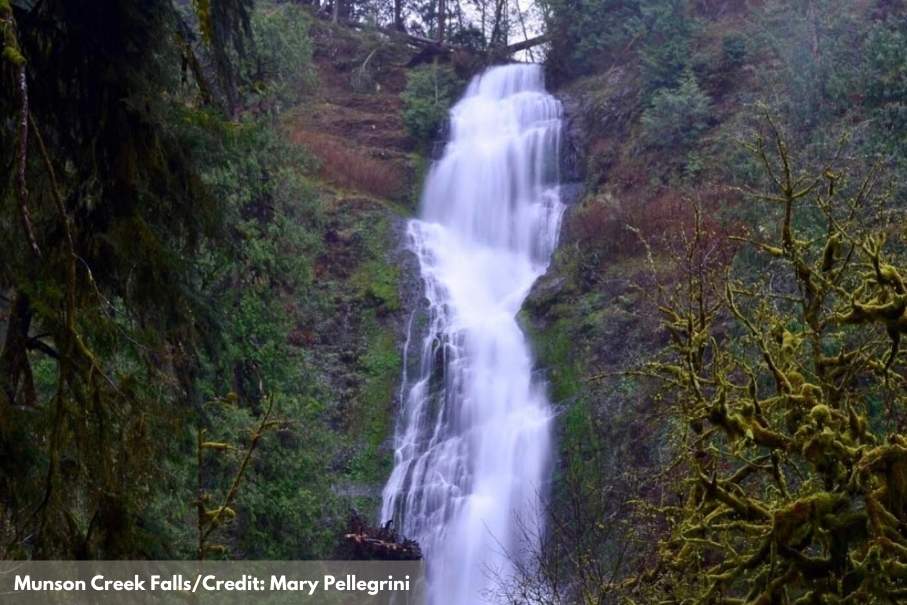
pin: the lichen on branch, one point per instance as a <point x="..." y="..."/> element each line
<point x="789" y="383"/>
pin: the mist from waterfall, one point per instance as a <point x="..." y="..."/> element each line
<point x="472" y="445"/>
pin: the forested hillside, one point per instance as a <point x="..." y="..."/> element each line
<point x="723" y="319"/>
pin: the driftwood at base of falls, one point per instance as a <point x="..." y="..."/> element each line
<point x="366" y="543"/>
<point x="368" y="548"/>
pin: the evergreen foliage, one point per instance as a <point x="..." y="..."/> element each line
<point x="107" y="293"/>
<point x="677" y="116"/>
<point x="586" y="32"/>
<point x="281" y="68"/>
<point x="430" y="91"/>
<point x="666" y="28"/>
<point x="168" y="222"/>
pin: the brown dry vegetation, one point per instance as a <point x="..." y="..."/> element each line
<point x="619" y="230"/>
<point x="347" y="167"/>
<point x="352" y="126"/>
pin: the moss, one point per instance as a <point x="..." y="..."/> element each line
<point x="554" y="346"/>
<point x="365" y="279"/>
<point x="579" y="441"/>
<point x="374" y="286"/>
<point x="373" y="412"/>
<point x="378" y="282"/>
<point x="418" y="165"/>
<point x="12" y="55"/>
<point x="11" y="46"/>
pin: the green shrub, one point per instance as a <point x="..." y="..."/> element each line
<point x="676" y="116"/>
<point x="667" y="29"/>
<point x="281" y="68"/>
<point x="430" y="91"/>
<point x="733" y="50"/>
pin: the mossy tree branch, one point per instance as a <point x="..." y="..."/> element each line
<point x="816" y="511"/>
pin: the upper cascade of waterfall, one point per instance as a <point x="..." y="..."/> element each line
<point x="504" y="134"/>
<point x="504" y="80"/>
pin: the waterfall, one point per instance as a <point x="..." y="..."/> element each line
<point x="473" y="436"/>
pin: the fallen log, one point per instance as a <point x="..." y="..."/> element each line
<point x="505" y="51"/>
<point x="366" y="547"/>
<point x="526" y="44"/>
<point x="366" y="543"/>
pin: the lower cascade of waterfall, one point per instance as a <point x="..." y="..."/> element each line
<point x="473" y="436"/>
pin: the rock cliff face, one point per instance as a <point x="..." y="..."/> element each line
<point x="582" y="311"/>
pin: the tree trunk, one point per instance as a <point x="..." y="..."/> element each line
<point x="17" y="385"/>
<point x="442" y="9"/>
<point x="398" y="15"/>
<point x="523" y="25"/>
<point x="526" y="44"/>
<point x="498" y="35"/>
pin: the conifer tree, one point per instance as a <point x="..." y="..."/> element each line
<point x="102" y="209"/>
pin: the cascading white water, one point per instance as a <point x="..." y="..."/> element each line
<point x="472" y="440"/>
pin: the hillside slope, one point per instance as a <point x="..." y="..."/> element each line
<point x="366" y="171"/>
<point x="659" y="115"/>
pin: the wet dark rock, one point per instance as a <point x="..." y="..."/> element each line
<point x="545" y="292"/>
<point x="572" y="142"/>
